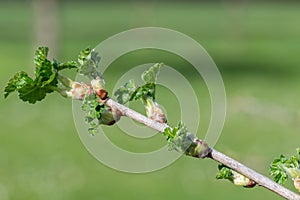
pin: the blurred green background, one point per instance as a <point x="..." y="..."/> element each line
<point x="255" y="46"/>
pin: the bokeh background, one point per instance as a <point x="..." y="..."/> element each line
<point x="255" y="45"/>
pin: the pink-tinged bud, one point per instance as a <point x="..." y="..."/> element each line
<point x="79" y="90"/>
<point x="297" y="183"/>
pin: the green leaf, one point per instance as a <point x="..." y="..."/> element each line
<point x="147" y="91"/>
<point x="41" y="56"/>
<point x="130" y="92"/>
<point x="32" y="93"/>
<point x="89" y="63"/>
<point x="66" y="65"/>
<point x="123" y="94"/>
<point x="83" y="55"/>
<point x="277" y="170"/>
<point x="178" y="137"/>
<point x="43" y="69"/>
<point x="33" y="90"/>
<point x="45" y="74"/>
<point x="282" y="168"/>
<point x="144" y="92"/>
<point x="26" y="87"/>
<point x="150" y="75"/>
<point x="224" y="173"/>
<point x="92" y="112"/>
<point x="170" y="133"/>
<point x="181" y="140"/>
<point x="96" y="113"/>
<point x="234" y="177"/>
<point x="17" y="82"/>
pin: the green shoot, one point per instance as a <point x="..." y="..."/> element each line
<point x="124" y="93"/>
<point x="283" y="168"/>
<point x="45" y="81"/>
<point x="89" y="63"/>
<point x="234" y="177"/>
<point x="145" y="93"/>
<point x="48" y="79"/>
<point x="181" y="140"/>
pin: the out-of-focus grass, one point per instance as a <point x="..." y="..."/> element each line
<point x="255" y="47"/>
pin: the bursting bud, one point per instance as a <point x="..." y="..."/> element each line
<point x="98" y="84"/>
<point x="234" y="177"/>
<point x="154" y="111"/>
<point x="292" y="172"/>
<point x="241" y="180"/>
<point x="78" y="90"/>
<point x="199" y="148"/>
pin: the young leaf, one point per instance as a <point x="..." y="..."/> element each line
<point x="44" y="72"/>
<point x="177" y="137"/>
<point x="46" y="78"/>
<point x="32" y="93"/>
<point x="277" y="170"/>
<point x="34" y="90"/>
<point x="66" y="65"/>
<point x="124" y="93"/>
<point x="97" y="113"/>
<point x="89" y="63"/>
<point x="144" y="92"/>
<point x="27" y="88"/>
<point x="234" y="177"/>
<point x="83" y="55"/>
<point x="180" y="139"/>
<point x="17" y="82"/>
<point x="41" y="56"/>
<point x="147" y="91"/>
<point x="224" y="173"/>
<point x="150" y="75"/>
<point x="282" y="168"/>
<point x="93" y="112"/>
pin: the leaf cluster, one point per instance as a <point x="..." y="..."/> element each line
<point x="45" y="81"/>
<point x="282" y="168"/>
<point x="124" y="93"/>
<point x="129" y="91"/>
<point x="96" y="113"/>
<point x="180" y="139"/>
<point x="93" y="110"/>
<point x="150" y="76"/>
<point x="224" y="173"/>
<point x="144" y="92"/>
<point x="89" y="63"/>
<point x="234" y="177"/>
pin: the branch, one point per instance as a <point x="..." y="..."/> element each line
<point x="213" y="154"/>
<point x="102" y="110"/>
